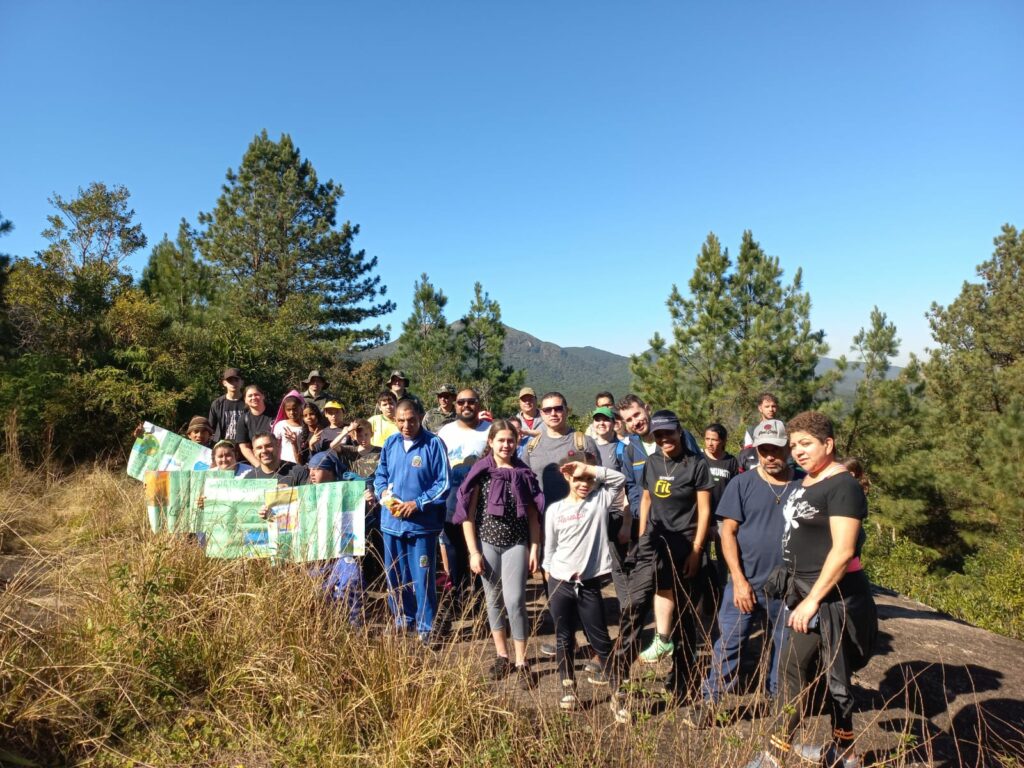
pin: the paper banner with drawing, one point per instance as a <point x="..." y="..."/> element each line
<point x="172" y="498"/>
<point x="160" y="450"/>
<point x="230" y="519"/>
<point x="317" y="522"/>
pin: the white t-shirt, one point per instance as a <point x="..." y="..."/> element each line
<point x="464" y="447"/>
<point x="288" y="452"/>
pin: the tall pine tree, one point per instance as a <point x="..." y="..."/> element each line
<point x="428" y="351"/>
<point x="483" y="340"/>
<point x="183" y="285"/>
<point x="274" y="234"/>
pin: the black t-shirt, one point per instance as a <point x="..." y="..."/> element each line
<point x="673" y="486"/>
<point x="748" y="459"/>
<point x="808" y="537"/>
<point x="226" y="417"/>
<point x="722" y="471"/>
<point x="327" y="436"/>
<point x="255" y="425"/>
<point x="287" y="473"/>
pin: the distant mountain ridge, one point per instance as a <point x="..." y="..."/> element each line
<point x="581" y="372"/>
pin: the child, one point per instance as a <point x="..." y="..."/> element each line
<point x="289" y="428"/>
<point x="315" y="425"/>
<point x="578" y="562"/>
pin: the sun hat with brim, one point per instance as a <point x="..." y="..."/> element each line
<point x="315" y="374"/>
<point x="199" y="422"/>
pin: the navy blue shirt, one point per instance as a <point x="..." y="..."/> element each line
<point x="757" y="507"/>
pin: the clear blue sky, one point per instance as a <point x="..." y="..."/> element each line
<point x="564" y="154"/>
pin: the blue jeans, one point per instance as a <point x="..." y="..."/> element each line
<point x="409" y="561"/>
<point x="735" y="628"/>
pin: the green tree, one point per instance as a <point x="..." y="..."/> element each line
<point x="483" y="340"/>
<point x="428" y="350"/>
<point x="274" y="234"/>
<point x="6" y="331"/>
<point x="738" y="332"/>
<point x="182" y="284"/>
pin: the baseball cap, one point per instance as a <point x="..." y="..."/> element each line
<point x="664" y="420"/>
<point x="231" y="373"/>
<point x="445" y="389"/>
<point x="333" y="405"/>
<point x="605" y="411"/>
<point x="771" y="432"/>
<point x="527" y="391"/>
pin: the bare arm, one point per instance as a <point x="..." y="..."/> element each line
<point x="845" y="531"/>
<point x="645" y="510"/>
<point x="692" y="565"/>
<point x="742" y="594"/>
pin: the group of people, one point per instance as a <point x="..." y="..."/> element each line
<point x="633" y="500"/>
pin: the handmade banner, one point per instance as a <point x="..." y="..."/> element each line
<point x="317" y="522"/>
<point x="172" y="498"/>
<point x="230" y="518"/>
<point x="160" y="450"/>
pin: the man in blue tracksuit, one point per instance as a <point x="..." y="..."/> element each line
<point x="412" y="482"/>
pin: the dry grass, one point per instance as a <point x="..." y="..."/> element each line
<point x="121" y="648"/>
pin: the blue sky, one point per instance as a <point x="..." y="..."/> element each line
<point x="570" y="156"/>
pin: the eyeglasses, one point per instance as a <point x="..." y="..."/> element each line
<point x="466" y="401"/>
<point x="553" y="409"/>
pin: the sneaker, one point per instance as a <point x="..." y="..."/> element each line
<point x="700" y="716"/>
<point x="597" y="677"/>
<point x="827" y="756"/>
<point x="569" y="700"/>
<point x="525" y="677"/>
<point x="592" y="666"/>
<point x="548" y="649"/>
<point x="501" y="668"/>
<point x="620" y="709"/>
<point x="657" y="650"/>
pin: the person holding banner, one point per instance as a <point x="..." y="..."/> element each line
<point x="225" y="458"/>
<point x="412" y="482"/>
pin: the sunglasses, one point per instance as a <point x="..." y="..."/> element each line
<point x="466" y="401"/>
<point x="553" y="409"/>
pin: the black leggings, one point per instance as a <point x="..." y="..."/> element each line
<point x="567" y="601"/>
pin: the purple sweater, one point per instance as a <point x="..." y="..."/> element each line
<point x="518" y="478"/>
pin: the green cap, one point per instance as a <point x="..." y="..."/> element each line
<point x="604" y="410"/>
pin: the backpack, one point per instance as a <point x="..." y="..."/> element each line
<point x="578" y="438"/>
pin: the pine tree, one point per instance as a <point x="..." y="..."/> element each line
<point x="182" y="284"/>
<point x="6" y="331"/>
<point x="428" y="351"/>
<point x="274" y="235"/>
<point x="483" y="338"/>
<point x="740" y="331"/>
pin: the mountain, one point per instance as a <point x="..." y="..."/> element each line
<point x="581" y="372"/>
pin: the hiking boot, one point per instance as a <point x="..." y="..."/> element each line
<point x="525" y="677"/>
<point x="569" y="700"/>
<point x="657" y="650"/>
<point x="501" y="668"/>
<point x="548" y="649"/>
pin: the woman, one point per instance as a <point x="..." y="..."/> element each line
<point x="499" y="505"/>
<point x="831" y="616"/>
<point x="225" y="458"/>
<point x="578" y="562"/>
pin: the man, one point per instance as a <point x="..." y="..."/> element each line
<point x="228" y="410"/>
<point x="257" y="419"/>
<point x="752" y="525"/>
<point x="767" y="409"/>
<point x="412" y="483"/>
<point x="465" y="440"/>
<point x="529" y="416"/>
<point x="556" y="441"/>
<point x="398" y="383"/>
<point x="383" y="423"/>
<point x="268" y="465"/>
<point x="200" y="431"/>
<point x="316" y="390"/>
<point x="724" y="468"/>
<point x="608" y="444"/>
<point x="444" y="412"/>
<point x="601" y="400"/>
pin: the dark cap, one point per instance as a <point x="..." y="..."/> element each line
<point x="231" y="373"/>
<point x="771" y="432"/>
<point x="445" y="389"/>
<point x="665" y="420"/>
<point x="398" y="375"/>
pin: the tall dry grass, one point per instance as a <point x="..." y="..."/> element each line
<point x="121" y="648"/>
